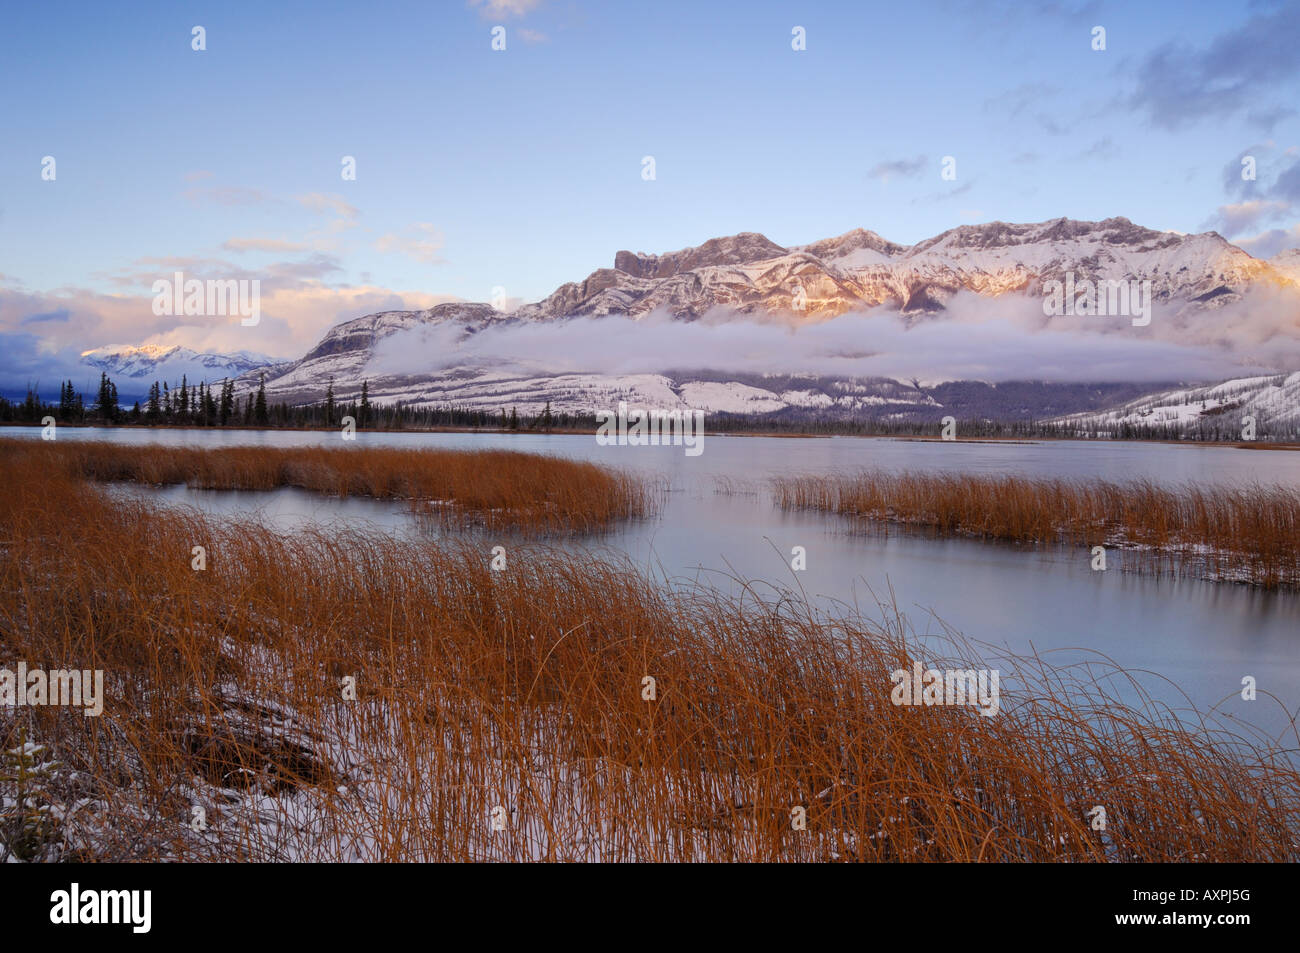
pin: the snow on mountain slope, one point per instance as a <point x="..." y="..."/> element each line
<point x="486" y="389"/>
<point x="149" y="362"/>
<point x="1287" y="263"/>
<point x="360" y="335"/>
<point x="791" y="397"/>
<point x="730" y="397"/>
<point x="996" y="258"/>
<point x="749" y="273"/>
<point x="1272" y="400"/>
<point x="347" y="348"/>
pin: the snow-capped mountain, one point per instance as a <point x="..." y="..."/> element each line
<point x="492" y="390"/>
<point x="359" y="336"/>
<point x="748" y="273"/>
<point x="1287" y="263"/>
<point x="152" y="362"/>
<point x="785" y="396"/>
<point x="749" y="277"/>
<point x="1273" y="401"/>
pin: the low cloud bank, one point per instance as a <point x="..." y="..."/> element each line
<point x="988" y="339"/>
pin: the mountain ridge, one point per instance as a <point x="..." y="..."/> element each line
<point x="747" y="276"/>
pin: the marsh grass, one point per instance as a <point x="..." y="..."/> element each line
<point x="496" y="489"/>
<point x="522" y="690"/>
<point x="1249" y="534"/>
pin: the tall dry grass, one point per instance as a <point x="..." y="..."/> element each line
<point x="500" y="489"/>
<point x="520" y="692"/>
<point x="1248" y="534"/>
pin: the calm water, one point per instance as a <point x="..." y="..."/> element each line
<point x="1197" y="639"/>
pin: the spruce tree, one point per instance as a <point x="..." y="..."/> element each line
<point x="227" y="401"/>
<point x="260" y="416"/>
<point x="107" y="404"/>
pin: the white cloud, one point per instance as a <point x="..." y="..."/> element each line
<point x="1242" y="216"/>
<point x="424" y="245"/>
<point x="1269" y="243"/>
<point x="505" y="8"/>
<point x="262" y="244"/>
<point x="990" y="339"/>
<point x="322" y="202"/>
<point x="297" y="308"/>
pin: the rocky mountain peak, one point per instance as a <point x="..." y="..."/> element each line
<point x="747" y="274"/>
<point x="859" y="239"/>
<point x="740" y="249"/>
<point x="361" y="334"/>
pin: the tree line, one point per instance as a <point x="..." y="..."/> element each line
<point x="216" y="405"/>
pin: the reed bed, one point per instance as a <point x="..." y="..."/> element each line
<point x="1249" y="534"/>
<point x="497" y="489"/>
<point x="503" y="715"/>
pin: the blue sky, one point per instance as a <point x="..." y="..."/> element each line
<point x="522" y="168"/>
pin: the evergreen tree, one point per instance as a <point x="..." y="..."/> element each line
<point x="155" y="402"/>
<point x="227" y="401"/>
<point x="364" y="417"/>
<point x="329" y="403"/>
<point x="107" y="403"/>
<point x="185" y="399"/>
<point x="259" y="408"/>
<point x="207" y="406"/>
<point x="77" y="405"/>
<point x="514" y="419"/>
<point x="546" y="418"/>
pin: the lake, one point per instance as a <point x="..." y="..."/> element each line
<point x="1195" y="639"/>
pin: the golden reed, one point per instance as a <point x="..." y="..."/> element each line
<point x="344" y="696"/>
<point x="1249" y="534"/>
